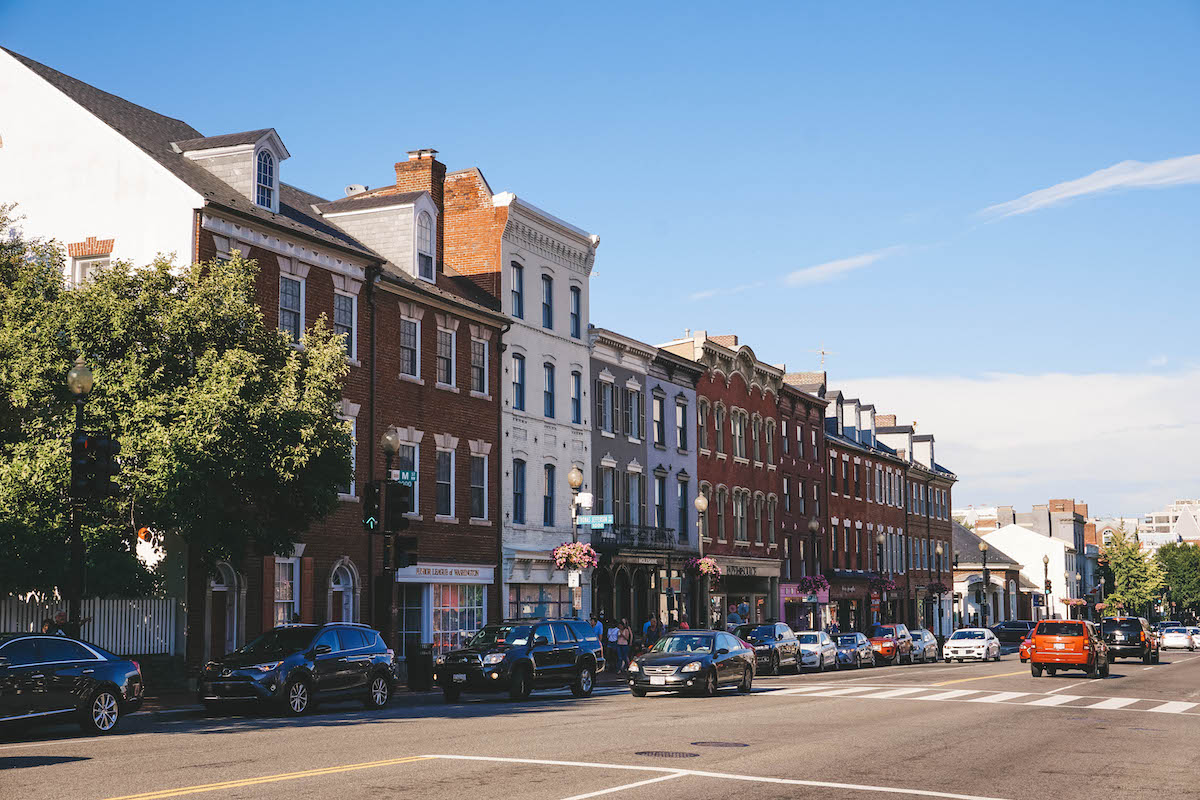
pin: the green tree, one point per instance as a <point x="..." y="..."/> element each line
<point x="230" y="434"/>
<point x="1136" y="578"/>
<point x="1180" y="566"/>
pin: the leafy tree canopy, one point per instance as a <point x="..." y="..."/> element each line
<point x="1136" y="578"/>
<point x="230" y="434"/>
<point x="1180" y="565"/>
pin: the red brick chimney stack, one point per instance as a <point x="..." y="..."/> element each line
<point x="422" y="172"/>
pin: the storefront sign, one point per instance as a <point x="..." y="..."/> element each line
<point x="791" y="591"/>
<point x="445" y="573"/>
<point x="743" y="572"/>
<point x="846" y="591"/>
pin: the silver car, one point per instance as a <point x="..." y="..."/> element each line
<point x="817" y="650"/>
<point x="972" y="644"/>
<point x="854" y="650"/>
<point x="1178" y="639"/>
<point x="925" y="646"/>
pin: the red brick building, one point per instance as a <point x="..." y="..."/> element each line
<point x="738" y="402"/>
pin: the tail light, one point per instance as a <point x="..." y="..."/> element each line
<point x="136" y="666"/>
<point x="1143" y="636"/>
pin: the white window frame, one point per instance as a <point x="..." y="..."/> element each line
<point x="483" y="456"/>
<point x="408" y="376"/>
<point x="352" y="353"/>
<point x="351" y="495"/>
<point x="453" y="359"/>
<point x="449" y="517"/>
<point x="274" y="187"/>
<point x="487" y="354"/>
<point x="416" y="493"/>
<point x="294" y="563"/>
<point x="279" y="303"/>
<point x="432" y="252"/>
<point x="81" y="267"/>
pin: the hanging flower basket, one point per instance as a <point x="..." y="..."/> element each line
<point x="937" y="588"/>
<point x="704" y="566"/>
<point x="812" y="584"/>
<point x="882" y="585"/>
<point x="1101" y="606"/>
<point x="1072" y="601"/>
<point x="575" y="556"/>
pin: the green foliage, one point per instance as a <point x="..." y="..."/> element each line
<point x="1180" y="565"/>
<point x="230" y="434"/>
<point x="1136" y="578"/>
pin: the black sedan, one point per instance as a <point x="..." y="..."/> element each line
<point x="693" y="661"/>
<point x="775" y="646"/>
<point x="46" y="678"/>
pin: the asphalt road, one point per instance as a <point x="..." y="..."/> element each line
<point x="940" y="730"/>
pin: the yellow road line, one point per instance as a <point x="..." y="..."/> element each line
<point x="286" y="776"/>
<point x="982" y="678"/>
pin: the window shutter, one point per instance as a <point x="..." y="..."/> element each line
<point x="268" y="593"/>
<point x="641" y="501"/>
<point x="599" y="406"/>
<point x="306" y="590"/>
<point x="626" y="410"/>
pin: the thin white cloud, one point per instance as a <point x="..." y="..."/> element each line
<point x="1125" y="175"/>
<point x="832" y="269"/>
<point x="1158" y="361"/>
<point x="707" y="293"/>
<point x="1123" y="442"/>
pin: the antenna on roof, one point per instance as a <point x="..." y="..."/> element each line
<point x="822" y="352"/>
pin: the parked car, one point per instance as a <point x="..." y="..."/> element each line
<point x="518" y="656"/>
<point x="48" y="678"/>
<point x="1178" y="639"/>
<point x="817" y="650"/>
<point x="972" y="644"/>
<point x="1130" y="637"/>
<point x="854" y="650"/>
<point x="1162" y="625"/>
<point x="892" y="644"/>
<point x="1013" y="631"/>
<point x="693" y="661"/>
<point x="1026" y="646"/>
<point x="294" y="667"/>
<point x="774" y="644"/>
<point x="925" y="646"/>
<point x="1195" y="632"/>
<point x="1068" y="644"/>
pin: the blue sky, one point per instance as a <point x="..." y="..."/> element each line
<point x="717" y="149"/>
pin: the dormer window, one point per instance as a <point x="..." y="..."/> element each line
<point x="425" y="246"/>
<point x="264" y="188"/>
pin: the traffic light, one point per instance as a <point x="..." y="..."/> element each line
<point x="371" y="506"/>
<point x="1049" y="584"/>
<point x="108" y="466"/>
<point x="406" y="551"/>
<point x="83" y="464"/>
<point x="398" y="503"/>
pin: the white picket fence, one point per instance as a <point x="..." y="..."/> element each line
<point x="122" y="625"/>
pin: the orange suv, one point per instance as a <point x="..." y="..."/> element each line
<point x="1068" y="644"/>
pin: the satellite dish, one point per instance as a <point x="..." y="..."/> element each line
<point x="355" y="188"/>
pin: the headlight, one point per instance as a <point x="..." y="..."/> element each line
<point x="440" y="660"/>
<point x="694" y="666"/>
<point x="492" y="658"/>
<point x="762" y="647"/>
<point x="266" y="667"/>
<point x="633" y="666"/>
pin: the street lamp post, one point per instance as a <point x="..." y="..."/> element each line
<point x="575" y="481"/>
<point x="814" y="527"/>
<point x="941" y="633"/>
<point x="879" y="541"/>
<point x="701" y="504"/>
<point x="1078" y="586"/>
<point x="390" y="444"/>
<point x="987" y="584"/>
<point x="1046" y="565"/>
<point x="80" y="382"/>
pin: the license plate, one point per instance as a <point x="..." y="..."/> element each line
<point x="460" y="678"/>
<point x="1059" y="646"/>
<point x="658" y="680"/>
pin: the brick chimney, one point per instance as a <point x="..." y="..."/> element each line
<point x="422" y="172"/>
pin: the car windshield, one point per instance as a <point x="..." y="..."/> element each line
<point x="1123" y="625"/>
<point x="683" y="644"/>
<point x="1175" y="630"/>
<point x="884" y="630"/>
<point x="494" y="635"/>
<point x="1060" y="629"/>
<point x="278" y="641"/>
<point x="807" y="638"/>
<point x="753" y="633"/>
<point x="843" y="641"/>
<point x="967" y="635"/>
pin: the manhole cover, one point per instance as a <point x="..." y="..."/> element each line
<point x="720" y="744"/>
<point x="665" y="754"/>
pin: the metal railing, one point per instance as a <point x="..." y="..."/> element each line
<point x="635" y="537"/>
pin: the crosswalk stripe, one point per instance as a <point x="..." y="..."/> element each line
<point x="837" y="692"/>
<point x="800" y="690"/>
<point x="950" y="695"/>
<point x="1054" y="700"/>
<point x="894" y="693"/>
<point x="1174" y="707"/>
<point x="1114" y="702"/>
<point x="998" y="697"/>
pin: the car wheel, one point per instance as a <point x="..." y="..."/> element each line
<point x="1035" y="669"/>
<point x="583" y="685"/>
<point x="1158" y="656"/>
<point x="773" y="669"/>
<point x="102" y="714"/>
<point x="747" y="681"/>
<point x="710" y="683"/>
<point x="1147" y="657"/>
<point x="451" y="695"/>
<point x="637" y="691"/>
<point x="1104" y="670"/>
<point x="895" y="660"/>
<point x="1093" y="669"/>
<point x="522" y="684"/>
<point x="1051" y="671"/>
<point x="821" y="663"/>
<point x="297" y="697"/>
<point x="380" y="692"/>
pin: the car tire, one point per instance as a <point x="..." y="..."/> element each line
<point x="297" y="697"/>
<point x="522" y="684"/>
<point x="102" y="712"/>
<point x="1093" y="669"/>
<point x="1147" y="657"/>
<point x="773" y="669"/>
<point x="451" y="695"/>
<point x="637" y="691"/>
<point x="585" y="683"/>
<point x="710" y="684"/>
<point x="379" y="692"/>
<point x="1035" y="669"/>
<point x="747" y="682"/>
<point x="1158" y="655"/>
<point x="1051" y="671"/>
<point x="1104" y="670"/>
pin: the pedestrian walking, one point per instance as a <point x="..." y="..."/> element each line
<point x="597" y="627"/>
<point x="614" y="653"/>
<point x="624" y="638"/>
<point x="652" y="631"/>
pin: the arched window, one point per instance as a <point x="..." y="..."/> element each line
<point x="425" y="246"/>
<point x="265" y="180"/>
<point x="341" y="595"/>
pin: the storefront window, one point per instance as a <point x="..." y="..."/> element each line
<point x="458" y="614"/>
<point x="539" y="600"/>
<point x="408" y="621"/>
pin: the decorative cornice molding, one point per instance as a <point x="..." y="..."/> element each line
<point x="548" y="247"/>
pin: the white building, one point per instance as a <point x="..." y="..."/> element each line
<point x="1181" y="518"/>
<point x="1029" y="548"/>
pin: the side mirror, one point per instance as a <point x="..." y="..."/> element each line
<point x="322" y="649"/>
<point x="779" y="636"/>
<point x="724" y="651"/>
<point x="539" y="641"/>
